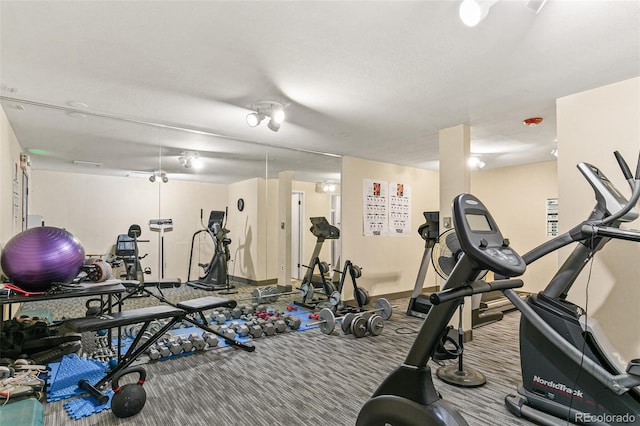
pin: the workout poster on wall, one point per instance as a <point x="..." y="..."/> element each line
<point x="375" y="206"/>
<point x="386" y="208"/>
<point x="399" y="209"/>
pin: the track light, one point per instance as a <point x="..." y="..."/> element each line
<point x="473" y="11"/>
<point x="159" y="174"/>
<point x="254" y="119"/>
<point x="274" y="110"/>
<point x="273" y="125"/>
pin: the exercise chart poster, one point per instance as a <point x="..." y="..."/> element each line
<point x="375" y="206"/>
<point x="399" y="209"/>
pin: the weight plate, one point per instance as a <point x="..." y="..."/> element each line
<point x="346" y="322"/>
<point x="256" y="296"/>
<point x="383" y="307"/>
<point x="359" y="327"/>
<point x="323" y="267"/>
<point x="375" y="325"/>
<point x="329" y="319"/>
<point x="334" y="298"/>
<point x="357" y="272"/>
<point x="310" y="292"/>
<point x="273" y="294"/>
<point x="361" y="296"/>
<point x="303" y="290"/>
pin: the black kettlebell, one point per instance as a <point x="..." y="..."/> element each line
<point x="129" y="399"/>
<point x="94" y="310"/>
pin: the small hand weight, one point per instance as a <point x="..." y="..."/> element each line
<point x="92" y="308"/>
<point x="129" y="399"/>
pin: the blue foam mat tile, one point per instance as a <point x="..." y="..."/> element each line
<point x="86" y="406"/>
<point x="69" y="372"/>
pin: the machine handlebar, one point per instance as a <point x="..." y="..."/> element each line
<point x="624" y="166"/>
<point x="472" y="288"/>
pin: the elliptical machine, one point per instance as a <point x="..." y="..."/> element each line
<point x="568" y="371"/>
<point x="215" y="273"/>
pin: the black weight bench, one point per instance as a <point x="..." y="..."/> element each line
<point x="175" y="314"/>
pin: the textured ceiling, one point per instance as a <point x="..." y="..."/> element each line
<point x="374" y="80"/>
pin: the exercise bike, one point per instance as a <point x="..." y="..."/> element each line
<point x="215" y="276"/>
<point x="408" y="396"/>
<point x="126" y="252"/>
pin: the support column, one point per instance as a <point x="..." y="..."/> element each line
<point x="284" y="222"/>
<point x="455" y="178"/>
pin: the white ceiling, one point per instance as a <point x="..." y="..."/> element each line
<point x="374" y="80"/>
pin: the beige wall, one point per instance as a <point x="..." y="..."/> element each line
<point x="9" y="159"/>
<point x="98" y="208"/>
<point x="591" y="125"/>
<point x="389" y="264"/>
<point x="244" y="229"/>
<point x="516" y="197"/>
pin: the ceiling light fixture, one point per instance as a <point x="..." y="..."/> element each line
<point x="473" y="11"/>
<point x="190" y="160"/>
<point x="476" y="163"/>
<point x="159" y="174"/>
<point x="274" y="110"/>
<point x="326" y="186"/>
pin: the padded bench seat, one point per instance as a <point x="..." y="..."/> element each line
<point x="119" y="319"/>
<point x="205" y="303"/>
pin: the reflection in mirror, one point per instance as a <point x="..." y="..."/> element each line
<point x="97" y="175"/>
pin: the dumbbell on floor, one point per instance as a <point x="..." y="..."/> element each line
<point x="357" y="323"/>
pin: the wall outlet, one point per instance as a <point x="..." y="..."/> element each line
<point x="281" y="268"/>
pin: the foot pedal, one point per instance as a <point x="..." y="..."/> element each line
<point x="634" y="367"/>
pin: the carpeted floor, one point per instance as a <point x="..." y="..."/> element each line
<point x="301" y="378"/>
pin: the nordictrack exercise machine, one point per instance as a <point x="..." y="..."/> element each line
<point x="322" y="230"/>
<point x="407" y="396"/>
<point x="443" y="251"/>
<point x="215" y="273"/>
<point x="570" y="371"/>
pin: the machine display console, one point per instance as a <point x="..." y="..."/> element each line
<point x="481" y="240"/>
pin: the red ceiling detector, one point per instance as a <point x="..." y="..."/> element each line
<point x="532" y="122"/>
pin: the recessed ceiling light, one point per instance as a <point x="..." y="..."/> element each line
<point x="77" y="104"/>
<point x="532" y="122"/>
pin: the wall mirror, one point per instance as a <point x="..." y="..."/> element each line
<point x="97" y="174"/>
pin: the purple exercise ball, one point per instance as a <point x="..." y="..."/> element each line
<point x="37" y="257"/>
